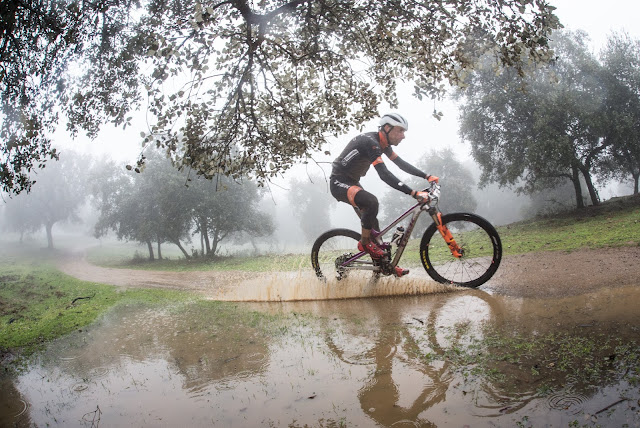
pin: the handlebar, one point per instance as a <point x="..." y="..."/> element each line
<point x="434" y="189"/>
<point x="434" y="193"/>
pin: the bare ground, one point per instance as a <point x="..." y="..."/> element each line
<point x="543" y="275"/>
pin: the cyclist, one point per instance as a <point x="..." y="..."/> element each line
<point x="354" y="162"/>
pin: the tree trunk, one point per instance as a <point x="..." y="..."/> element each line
<point x="159" y="251"/>
<point x="575" y="178"/>
<point x="48" y="226"/>
<point x="204" y="232"/>
<point x="150" y="248"/>
<point x="214" y="243"/>
<point x="635" y="183"/>
<point x="593" y="193"/>
<point x="179" y="245"/>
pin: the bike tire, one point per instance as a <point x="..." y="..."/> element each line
<point x="481" y="245"/>
<point x="329" y="248"/>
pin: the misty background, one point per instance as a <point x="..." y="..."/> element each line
<point x="77" y="197"/>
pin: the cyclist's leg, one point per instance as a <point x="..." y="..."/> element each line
<point x="365" y="205"/>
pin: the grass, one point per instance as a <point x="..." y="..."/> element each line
<point x="542" y="362"/>
<point x="614" y="224"/>
<point x="38" y="303"/>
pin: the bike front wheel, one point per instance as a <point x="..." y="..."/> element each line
<point x="332" y="249"/>
<point x="481" y="251"/>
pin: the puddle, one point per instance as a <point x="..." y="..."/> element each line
<point x="387" y="361"/>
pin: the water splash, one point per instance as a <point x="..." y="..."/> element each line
<point x="300" y="286"/>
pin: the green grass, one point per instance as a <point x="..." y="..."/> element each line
<point x="39" y="304"/>
<point x="613" y="225"/>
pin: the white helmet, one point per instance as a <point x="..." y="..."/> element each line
<point x="394" y="119"/>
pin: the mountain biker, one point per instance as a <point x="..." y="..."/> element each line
<point x="354" y="162"/>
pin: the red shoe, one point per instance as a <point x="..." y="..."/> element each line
<point x="372" y="249"/>
<point x="398" y="271"/>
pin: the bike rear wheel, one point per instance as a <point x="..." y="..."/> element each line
<point x="332" y="249"/>
<point x="481" y="248"/>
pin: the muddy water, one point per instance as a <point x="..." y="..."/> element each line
<point x="386" y="361"/>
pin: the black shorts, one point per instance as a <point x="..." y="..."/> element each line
<point x="349" y="191"/>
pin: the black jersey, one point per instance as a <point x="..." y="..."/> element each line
<point x="362" y="152"/>
<point x="359" y="154"/>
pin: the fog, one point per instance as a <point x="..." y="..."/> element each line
<point x="499" y="205"/>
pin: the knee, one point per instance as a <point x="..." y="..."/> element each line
<point x="367" y="201"/>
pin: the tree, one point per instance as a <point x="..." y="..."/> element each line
<point x="537" y="131"/>
<point x="120" y="210"/>
<point x="621" y="60"/>
<point x="18" y="216"/>
<point x="148" y="208"/>
<point x="223" y="208"/>
<point x="237" y="87"/>
<point x="457" y="187"/>
<point x="165" y="205"/>
<point x="58" y="197"/>
<point x="311" y="202"/>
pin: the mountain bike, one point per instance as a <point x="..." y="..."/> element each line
<point x="462" y="249"/>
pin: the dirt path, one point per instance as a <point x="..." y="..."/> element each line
<point x="558" y="274"/>
<point x="546" y="275"/>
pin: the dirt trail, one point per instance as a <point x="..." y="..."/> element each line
<point x="545" y="275"/>
<point x="559" y="274"/>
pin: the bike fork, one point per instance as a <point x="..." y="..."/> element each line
<point x="455" y="249"/>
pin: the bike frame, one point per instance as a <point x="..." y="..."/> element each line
<point x="354" y="263"/>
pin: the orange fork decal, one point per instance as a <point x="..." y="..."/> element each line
<point x="448" y="238"/>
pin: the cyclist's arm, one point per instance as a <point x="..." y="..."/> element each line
<point x="391" y="179"/>
<point x="407" y="167"/>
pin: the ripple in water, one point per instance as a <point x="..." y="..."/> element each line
<point x="24" y="409"/>
<point x="567" y="401"/>
<point x="79" y="387"/>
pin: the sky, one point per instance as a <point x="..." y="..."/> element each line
<point x="598" y="18"/>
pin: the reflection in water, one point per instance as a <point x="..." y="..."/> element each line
<point x="406" y="361"/>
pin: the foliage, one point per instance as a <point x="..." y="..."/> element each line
<point x="538" y="131"/>
<point x="457" y="188"/>
<point x="40" y="41"/>
<point x="59" y="196"/>
<point x="239" y="87"/>
<point x="621" y="60"/>
<point x="311" y="203"/>
<point x="614" y="223"/>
